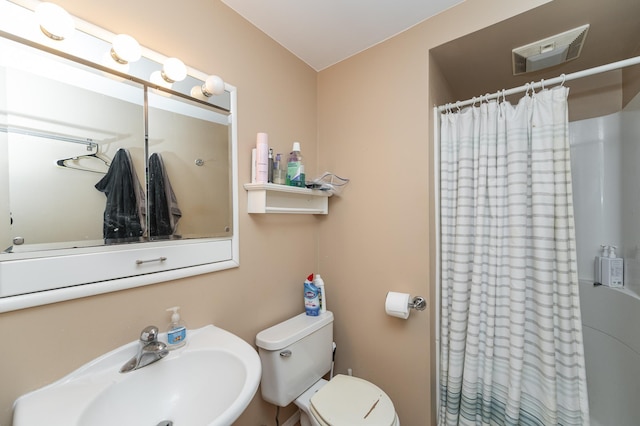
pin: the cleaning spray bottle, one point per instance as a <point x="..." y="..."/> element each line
<point x="177" y="330"/>
<point x="311" y="297"/>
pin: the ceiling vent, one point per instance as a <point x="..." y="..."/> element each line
<point x="550" y="51"/>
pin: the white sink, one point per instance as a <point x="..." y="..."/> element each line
<point x="210" y="381"/>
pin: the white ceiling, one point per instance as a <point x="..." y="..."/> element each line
<point x="324" y="32"/>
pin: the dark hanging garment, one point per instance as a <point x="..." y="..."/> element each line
<point x="122" y="218"/>
<point x="163" y="206"/>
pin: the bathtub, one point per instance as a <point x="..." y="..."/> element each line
<point x="611" y="330"/>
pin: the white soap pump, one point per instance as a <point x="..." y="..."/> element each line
<point x="612" y="269"/>
<point x="597" y="264"/>
<point x="177" y="330"/>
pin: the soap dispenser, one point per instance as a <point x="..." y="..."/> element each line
<point x="177" y="330"/>
<point x="612" y="269"/>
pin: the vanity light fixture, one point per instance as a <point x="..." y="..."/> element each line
<point x="173" y="70"/>
<point x="213" y="85"/>
<point x="125" y="49"/>
<point x="55" y="22"/>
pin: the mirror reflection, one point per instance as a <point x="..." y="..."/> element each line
<point x="79" y="171"/>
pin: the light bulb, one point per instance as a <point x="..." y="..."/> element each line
<point x="158" y="79"/>
<point x="54" y="21"/>
<point x="173" y="70"/>
<point x="213" y="85"/>
<point x="125" y="49"/>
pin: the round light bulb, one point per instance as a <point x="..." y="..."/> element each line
<point x="125" y="49"/>
<point x="213" y="85"/>
<point x="174" y="70"/>
<point x="54" y="21"/>
<point x="158" y="79"/>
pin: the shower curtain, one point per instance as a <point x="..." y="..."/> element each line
<point x="511" y="334"/>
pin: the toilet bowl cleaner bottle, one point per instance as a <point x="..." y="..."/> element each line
<point x="311" y="297"/>
<point x="295" y="168"/>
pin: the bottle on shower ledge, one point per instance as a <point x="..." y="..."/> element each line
<point x="612" y="269"/>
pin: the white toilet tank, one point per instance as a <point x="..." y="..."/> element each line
<point x="295" y="354"/>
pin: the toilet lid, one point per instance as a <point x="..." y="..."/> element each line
<point x="350" y="401"/>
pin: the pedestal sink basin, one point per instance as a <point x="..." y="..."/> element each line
<point x="209" y="381"/>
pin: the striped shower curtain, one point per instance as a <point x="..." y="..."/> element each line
<point x="511" y="332"/>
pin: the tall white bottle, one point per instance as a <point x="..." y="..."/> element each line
<point x="612" y="269"/>
<point x="262" y="158"/>
<point x="597" y="264"/>
<point x="323" y="295"/>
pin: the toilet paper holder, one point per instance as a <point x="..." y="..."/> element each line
<point x="418" y="303"/>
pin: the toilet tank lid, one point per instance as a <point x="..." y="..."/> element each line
<point x="290" y="331"/>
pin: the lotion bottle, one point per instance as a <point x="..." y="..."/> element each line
<point x="177" y="330"/>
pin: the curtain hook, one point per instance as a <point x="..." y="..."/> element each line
<point x="458" y="105"/>
<point x="473" y="101"/>
<point x="533" y="89"/>
<point x="504" y="96"/>
<point x="563" y="79"/>
<point x="526" y="89"/>
<point x="542" y="83"/>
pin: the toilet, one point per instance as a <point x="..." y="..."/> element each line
<point x="295" y="356"/>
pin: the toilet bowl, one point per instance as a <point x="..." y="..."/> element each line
<point x="295" y="355"/>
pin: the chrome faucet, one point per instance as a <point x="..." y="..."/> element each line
<point x="149" y="351"/>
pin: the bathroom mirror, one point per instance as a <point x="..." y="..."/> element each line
<point x="72" y="125"/>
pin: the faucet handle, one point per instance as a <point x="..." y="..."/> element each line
<point x="149" y="334"/>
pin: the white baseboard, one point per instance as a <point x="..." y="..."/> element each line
<point x="291" y="421"/>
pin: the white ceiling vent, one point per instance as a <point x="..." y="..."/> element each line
<point x="551" y="51"/>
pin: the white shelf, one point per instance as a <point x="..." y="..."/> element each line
<point x="272" y="198"/>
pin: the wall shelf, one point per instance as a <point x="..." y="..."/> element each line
<point x="272" y="198"/>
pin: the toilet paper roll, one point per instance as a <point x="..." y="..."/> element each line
<point x="397" y="304"/>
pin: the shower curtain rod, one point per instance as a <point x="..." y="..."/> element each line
<point x="533" y="86"/>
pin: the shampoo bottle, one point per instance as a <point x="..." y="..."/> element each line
<point x="323" y="296"/>
<point x="177" y="330"/>
<point x="597" y="265"/>
<point x="295" y="168"/>
<point x="612" y="269"/>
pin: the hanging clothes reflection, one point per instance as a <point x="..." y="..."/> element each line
<point x="163" y="205"/>
<point x="124" y="213"/>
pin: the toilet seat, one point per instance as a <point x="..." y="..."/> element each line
<point x="350" y="401"/>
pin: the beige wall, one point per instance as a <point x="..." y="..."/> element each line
<point x="371" y="115"/>
<point x="374" y="117"/>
